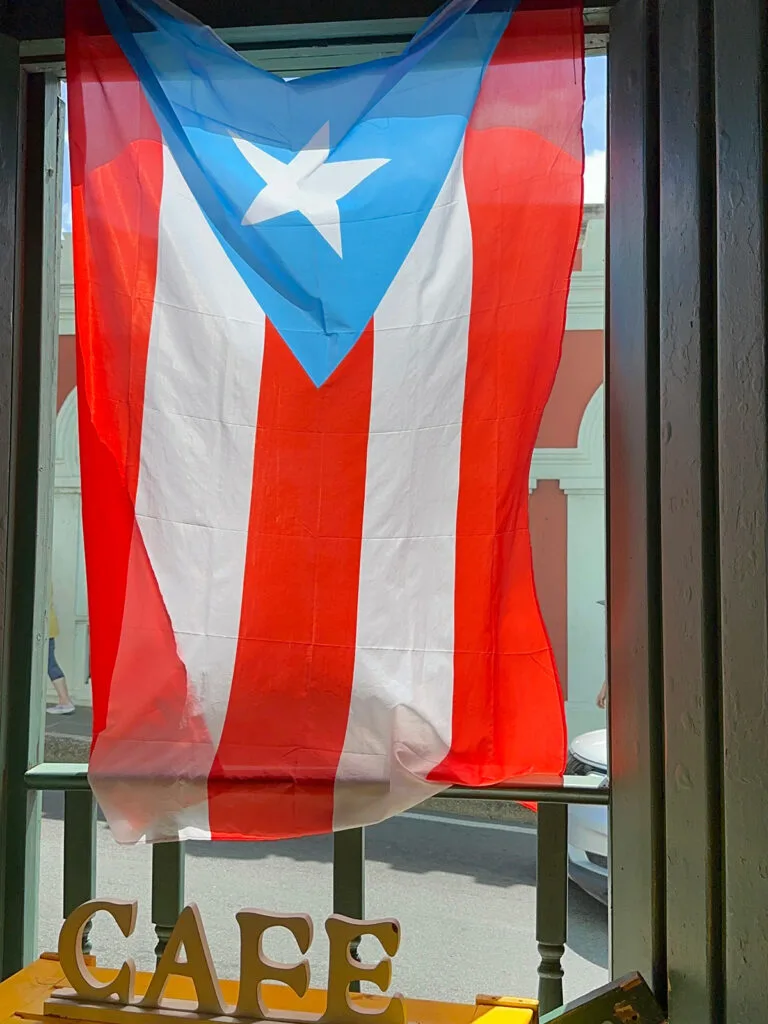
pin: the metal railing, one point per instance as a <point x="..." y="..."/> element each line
<point x="348" y="861"/>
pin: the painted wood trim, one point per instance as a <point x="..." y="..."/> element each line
<point x="40" y="26"/>
<point x="634" y="598"/>
<point x="79" y="855"/>
<point x="551" y="902"/>
<point x="10" y="115"/>
<point x="35" y="392"/>
<point x="689" y="514"/>
<point x="168" y="876"/>
<point x="741" y="94"/>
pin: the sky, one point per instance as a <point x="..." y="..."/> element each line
<point x="594" y="139"/>
<point x="595" y="129"/>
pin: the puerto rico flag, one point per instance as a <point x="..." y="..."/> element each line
<point x="317" y="323"/>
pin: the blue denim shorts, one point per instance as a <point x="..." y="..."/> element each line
<point x="54" y="669"/>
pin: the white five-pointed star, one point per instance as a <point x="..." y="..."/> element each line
<point x="308" y="184"/>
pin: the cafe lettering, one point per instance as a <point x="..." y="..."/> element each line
<point x="116" y="1002"/>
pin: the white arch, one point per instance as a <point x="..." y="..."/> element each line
<point x="584" y="483"/>
<point x="67" y="566"/>
<point x="592" y="431"/>
<point x="67" y="471"/>
<point x="581" y="468"/>
<point x="580" y="473"/>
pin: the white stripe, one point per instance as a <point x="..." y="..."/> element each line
<point x="494" y="826"/>
<point x="197" y="446"/>
<point x="402" y="696"/>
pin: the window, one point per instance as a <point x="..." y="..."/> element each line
<point x="460" y="874"/>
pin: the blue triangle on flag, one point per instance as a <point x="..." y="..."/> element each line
<point x="318" y="187"/>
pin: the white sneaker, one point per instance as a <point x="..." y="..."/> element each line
<point x="61" y="709"/>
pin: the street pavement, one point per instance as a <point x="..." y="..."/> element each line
<point x="464" y="892"/>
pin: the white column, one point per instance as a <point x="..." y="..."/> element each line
<point x="586" y="618"/>
<point x="67" y="560"/>
<point x="580" y="472"/>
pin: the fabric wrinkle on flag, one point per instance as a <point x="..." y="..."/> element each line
<point x="317" y="324"/>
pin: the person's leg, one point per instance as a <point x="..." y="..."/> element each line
<point x="65" y="705"/>
<point x="60" y="686"/>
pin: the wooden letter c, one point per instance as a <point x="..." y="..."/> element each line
<point x="120" y="989"/>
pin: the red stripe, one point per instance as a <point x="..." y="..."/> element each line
<point x="523" y="167"/>
<point x="116" y="185"/>
<point x="286" y="721"/>
<point x="139" y="683"/>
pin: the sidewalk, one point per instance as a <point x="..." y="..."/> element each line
<point x="68" y="737"/>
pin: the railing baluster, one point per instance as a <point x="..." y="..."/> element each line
<point x="79" y="854"/>
<point x="348" y="863"/>
<point x="551" y="901"/>
<point x="167" y="890"/>
<point x="349" y="880"/>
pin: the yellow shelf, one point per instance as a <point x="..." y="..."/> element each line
<point x="22" y="997"/>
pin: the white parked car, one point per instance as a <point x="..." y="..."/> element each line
<point x="588" y="825"/>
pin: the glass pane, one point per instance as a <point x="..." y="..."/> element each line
<point x="68" y="718"/>
<point x="567" y="515"/>
<point x="461" y="877"/>
<point x="463" y="887"/>
<point x="567" y="501"/>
